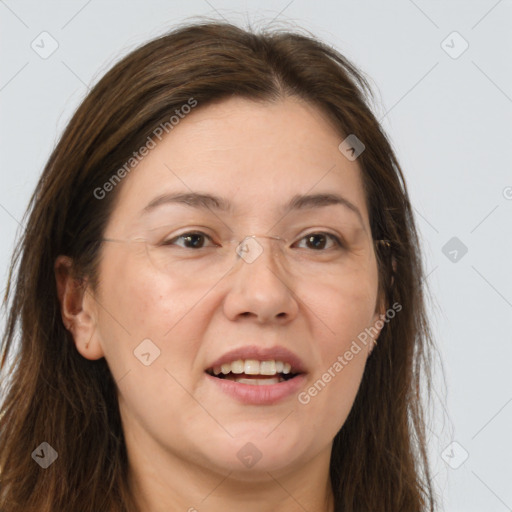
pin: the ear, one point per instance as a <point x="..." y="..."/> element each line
<point x="377" y="322"/>
<point x="381" y="308"/>
<point x="393" y="264"/>
<point x="78" y="309"/>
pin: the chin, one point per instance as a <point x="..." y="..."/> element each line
<point x="253" y="455"/>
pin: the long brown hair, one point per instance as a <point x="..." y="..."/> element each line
<point x="54" y="395"/>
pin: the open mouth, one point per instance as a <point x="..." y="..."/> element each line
<point x="254" y="372"/>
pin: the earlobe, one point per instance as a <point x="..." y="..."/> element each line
<point x="377" y="322"/>
<point x="393" y="265"/>
<point x="381" y="309"/>
<point x="78" y="309"/>
<point x="377" y="325"/>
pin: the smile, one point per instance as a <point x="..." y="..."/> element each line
<point x="254" y="372"/>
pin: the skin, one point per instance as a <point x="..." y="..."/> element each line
<point x="182" y="433"/>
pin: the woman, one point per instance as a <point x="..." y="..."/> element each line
<point x="219" y="293"/>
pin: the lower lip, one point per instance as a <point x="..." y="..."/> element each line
<point x="253" y="394"/>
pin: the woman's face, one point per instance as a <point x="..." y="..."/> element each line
<point x="166" y="317"/>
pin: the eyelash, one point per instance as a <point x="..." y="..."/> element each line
<point x="336" y="240"/>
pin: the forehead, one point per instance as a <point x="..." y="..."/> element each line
<point x="257" y="155"/>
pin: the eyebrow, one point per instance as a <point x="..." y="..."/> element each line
<point x="212" y="202"/>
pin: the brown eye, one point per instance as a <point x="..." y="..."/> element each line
<point x="320" y="241"/>
<point x="193" y="240"/>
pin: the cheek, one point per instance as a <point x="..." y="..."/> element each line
<point x="140" y="304"/>
<point x="144" y="305"/>
<point x="342" y="311"/>
<point x="347" y="318"/>
<point x="330" y="394"/>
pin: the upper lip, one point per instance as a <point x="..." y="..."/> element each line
<point x="261" y="354"/>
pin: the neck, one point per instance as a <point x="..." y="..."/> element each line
<point x="168" y="483"/>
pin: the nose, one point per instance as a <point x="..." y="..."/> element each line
<point x="259" y="288"/>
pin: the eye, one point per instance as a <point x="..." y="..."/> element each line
<point x="192" y="240"/>
<point x="319" y="241"/>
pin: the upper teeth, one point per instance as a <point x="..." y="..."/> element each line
<point x="253" y="367"/>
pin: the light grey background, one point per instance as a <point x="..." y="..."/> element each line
<point x="449" y="120"/>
